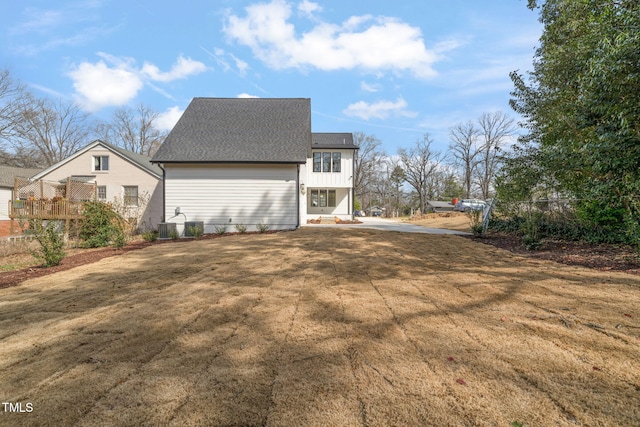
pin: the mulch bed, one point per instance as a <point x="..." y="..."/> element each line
<point x="604" y="257"/>
<point x="13" y="278"/>
<point x="601" y="257"/>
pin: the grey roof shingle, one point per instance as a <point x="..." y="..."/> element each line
<point x="240" y="130"/>
<point x="332" y="140"/>
<point x="8" y="174"/>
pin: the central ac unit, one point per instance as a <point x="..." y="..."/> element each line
<point x="193" y="228"/>
<point x="167" y="230"/>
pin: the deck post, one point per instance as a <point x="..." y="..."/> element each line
<point x="66" y="208"/>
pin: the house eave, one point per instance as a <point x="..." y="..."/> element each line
<point x="235" y="162"/>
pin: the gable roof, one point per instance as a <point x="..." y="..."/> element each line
<point x="8" y="174"/>
<point x="332" y="140"/>
<point x="139" y="160"/>
<point x="240" y="130"/>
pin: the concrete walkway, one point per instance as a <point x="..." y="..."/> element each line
<point x="389" y="224"/>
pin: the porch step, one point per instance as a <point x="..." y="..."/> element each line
<point x="327" y="220"/>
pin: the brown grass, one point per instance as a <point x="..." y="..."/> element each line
<point x="450" y="220"/>
<point x="322" y="327"/>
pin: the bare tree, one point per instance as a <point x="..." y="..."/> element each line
<point x="49" y="130"/>
<point x="464" y="147"/>
<point x="133" y="130"/>
<point x="419" y="163"/>
<point x="10" y="92"/>
<point x="367" y="163"/>
<point x="495" y="129"/>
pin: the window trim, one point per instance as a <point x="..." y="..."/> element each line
<point x="317" y="161"/>
<point x="127" y="198"/>
<point x="336" y="161"/>
<point x="327" y="161"/>
<point x="99" y="163"/>
<point x="99" y="188"/>
<point x="324" y="198"/>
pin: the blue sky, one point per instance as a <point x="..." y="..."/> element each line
<point x="394" y="69"/>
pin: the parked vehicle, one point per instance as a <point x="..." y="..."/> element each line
<point x="376" y="211"/>
<point x="465" y="205"/>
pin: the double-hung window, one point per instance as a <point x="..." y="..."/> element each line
<point x="100" y="163"/>
<point x="102" y="193"/>
<point x="130" y="195"/>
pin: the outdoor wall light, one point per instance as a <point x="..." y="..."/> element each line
<point x="302" y="189"/>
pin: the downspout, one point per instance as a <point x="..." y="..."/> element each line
<point x="164" y="202"/>
<point x="298" y="196"/>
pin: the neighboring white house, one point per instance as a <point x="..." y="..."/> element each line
<point x="250" y="161"/>
<point x="7" y="180"/>
<point x="119" y="175"/>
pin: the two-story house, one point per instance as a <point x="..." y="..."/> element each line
<point x="252" y="162"/>
<point x="329" y="175"/>
<point x="119" y="175"/>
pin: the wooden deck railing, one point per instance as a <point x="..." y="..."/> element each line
<point x="45" y="209"/>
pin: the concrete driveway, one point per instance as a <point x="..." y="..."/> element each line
<point x="388" y="224"/>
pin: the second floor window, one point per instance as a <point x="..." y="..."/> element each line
<point x="100" y="163"/>
<point x="327" y="162"/>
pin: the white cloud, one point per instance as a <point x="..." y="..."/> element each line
<point x="307" y="8"/>
<point x="99" y="86"/>
<point x="167" y="120"/>
<point x="246" y="95"/>
<point x="374" y="87"/>
<point x="362" y="42"/>
<point x="184" y="67"/>
<point x="114" y="81"/>
<point x="242" y="66"/>
<point x="379" y="110"/>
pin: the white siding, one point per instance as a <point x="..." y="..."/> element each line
<point x="232" y="194"/>
<point x="341" y="209"/>
<point x="5" y="197"/>
<point x="342" y="179"/>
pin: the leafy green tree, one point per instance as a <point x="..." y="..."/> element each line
<point x="581" y="105"/>
<point x="51" y="240"/>
<point x="101" y="226"/>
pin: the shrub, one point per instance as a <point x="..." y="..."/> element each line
<point x="220" y="229"/>
<point x="51" y="251"/>
<point x="150" y="236"/>
<point x="195" y="231"/>
<point x="101" y="226"/>
<point x="240" y="228"/>
<point x="262" y="228"/>
<point x="475" y="221"/>
<point x="174" y="235"/>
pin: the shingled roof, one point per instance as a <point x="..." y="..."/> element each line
<point x="8" y="174"/>
<point x="332" y="140"/>
<point x="139" y="160"/>
<point x="240" y="130"/>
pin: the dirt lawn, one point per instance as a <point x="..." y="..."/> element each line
<point x="322" y="327"/>
<point x="450" y="220"/>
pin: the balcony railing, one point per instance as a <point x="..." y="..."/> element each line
<point x="45" y="209"/>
